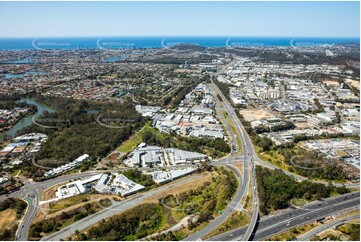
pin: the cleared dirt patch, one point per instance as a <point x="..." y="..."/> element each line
<point x="331" y="83"/>
<point x="7" y="217"/>
<point x="255" y="114"/>
<point x="304" y="125"/>
<point x="353" y="83"/>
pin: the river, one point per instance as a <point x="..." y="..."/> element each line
<point x="26" y="121"/>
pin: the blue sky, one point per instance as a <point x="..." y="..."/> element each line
<point x="288" y="19"/>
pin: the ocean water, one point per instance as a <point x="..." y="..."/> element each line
<point x="159" y="42"/>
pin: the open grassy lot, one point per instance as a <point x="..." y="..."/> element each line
<point x="11" y="209"/>
<point x="16" y="172"/>
<point x="165" y="210"/>
<point x="50" y="192"/>
<point x="91" y="199"/>
<point x="65" y="218"/>
<point x="293" y="233"/>
<point x="230" y="123"/>
<point x="67" y="202"/>
<point x="273" y="157"/>
<point x="235" y="220"/>
<point x="130" y="144"/>
<point x="7" y="217"/>
<point x="206" y="202"/>
<point x="175" y="190"/>
<point x="298" y="202"/>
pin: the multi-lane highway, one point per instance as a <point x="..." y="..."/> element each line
<point x="226" y="212"/>
<point x="118" y="207"/>
<point x="251" y="157"/>
<point x="248" y="157"/>
<point x="242" y="189"/>
<point x="290" y="218"/>
<point x="313" y="232"/>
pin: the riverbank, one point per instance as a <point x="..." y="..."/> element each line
<point x="25" y="121"/>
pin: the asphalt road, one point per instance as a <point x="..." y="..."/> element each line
<point x="226" y="212"/>
<point x="249" y="156"/>
<point x="313" y="232"/>
<point x="287" y="219"/>
<point x="234" y="145"/>
<point x="22" y="233"/>
<point x="28" y="188"/>
<point x="302" y="219"/>
<point x="242" y="189"/>
<point x="112" y="210"/>
<point x="33" y="202"/>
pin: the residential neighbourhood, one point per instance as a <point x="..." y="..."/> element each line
<point x="180" y="121"/>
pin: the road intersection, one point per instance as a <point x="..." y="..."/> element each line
<point x="293" y="217"/>
<point x="248" y="157"/>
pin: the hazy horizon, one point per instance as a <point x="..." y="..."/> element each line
<point x="154" y="19"/>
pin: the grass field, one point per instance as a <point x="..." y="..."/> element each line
<point x="230" y="123"/>
<point x="248" y="201"/>
<point x="202" y="196"/>
<point x="235" y="220"/>
<point x="273" y="157"/>
<point x="201" y="200"/>
<point x="67" y="202"/>
<point x="7" y="217"/>
<point x="50" y="192"/>
<point x="298" y="202"/>
<point x="293" y="233"/>
<point x="130" y="144"/>
<point x="16" y="172"/>
<point x="134" y="140"/>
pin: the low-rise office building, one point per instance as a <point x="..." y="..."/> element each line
<point x="147" y="156"/>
